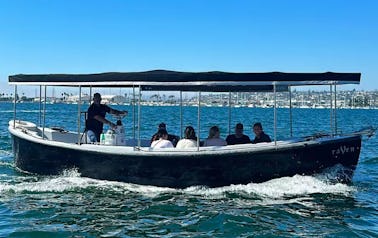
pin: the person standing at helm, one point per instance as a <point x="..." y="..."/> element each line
<point x="96" y="117"/>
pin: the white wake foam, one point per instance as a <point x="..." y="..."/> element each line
<point x="5" y="153"/>
<point x="287" y="189"/>
<point x="277" y="188"/>
<point x="70" y="180"/>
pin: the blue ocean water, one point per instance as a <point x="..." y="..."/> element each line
<point x="301" y="206"/>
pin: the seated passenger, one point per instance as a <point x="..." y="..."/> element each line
<point x="260" y="135"/>
<point x="213" y="139"/>
<point x="161" y="140"/>
<point x="190" y="139"/>
<point x="172" y="138"/>
<point x="238" y="137"/>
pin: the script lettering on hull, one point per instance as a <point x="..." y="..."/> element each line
<point x="343" y="149"/>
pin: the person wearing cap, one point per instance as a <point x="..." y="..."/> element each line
<point x="96" y="117"/>
<point x="260" y="135"/>
<point x="172" y="138"/>
<point x="238" y="137"/>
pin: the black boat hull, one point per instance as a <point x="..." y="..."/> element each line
<point x="180" y="171"/>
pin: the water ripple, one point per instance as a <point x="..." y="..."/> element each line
<point x="69" y="205"/>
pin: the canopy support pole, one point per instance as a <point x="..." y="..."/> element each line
<point x="133" y="112"/>
<point x="275" y="114"/>
<point x="86" y="112"/>
<point x="290" y="113"/>
<point x="14" y="106"/>
<point x="90" y="95"/>
<point x="139" y="116"/>
<point x="331" y="110"/>
<point x="78" y="117"/>
<point x="40" y="105"/>
<point x="335" y="111"/>
<point x="181" y="115"/>
<point x="44" y="113"/>
<point x="229" y="112"/>
<point x="199" y="120"/>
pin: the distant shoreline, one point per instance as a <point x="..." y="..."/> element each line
<point x="299" y="99"/>
<point x="150" y="104"/>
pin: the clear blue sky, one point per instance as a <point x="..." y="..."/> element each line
<point x="79" y="36"/>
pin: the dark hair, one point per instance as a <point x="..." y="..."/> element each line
<point x="162" y="125"/>
<point x="190" y="133"/>
<point x="239" y="126"/>
<point x="213" y="130"/>
<point x="257" y="124"/>
<point x="160" y="134"/>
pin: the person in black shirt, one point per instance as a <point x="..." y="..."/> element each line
<point x="260" y="135"/>
<point x="96" y="116"/>
<point x="238" y="137"/>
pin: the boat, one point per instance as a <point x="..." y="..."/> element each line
<point x="50" y="151"/>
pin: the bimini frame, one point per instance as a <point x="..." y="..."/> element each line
<point x="160" y="80"/>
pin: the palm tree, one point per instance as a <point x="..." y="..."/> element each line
<point x="154" y="97"/>
<point x="171" y="99"/>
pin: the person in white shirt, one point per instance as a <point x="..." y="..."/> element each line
<point x="161" y="140"/>
<point x="172" y="138"/>
<point x="190" y="139"/>
<point x="213" y="139"/>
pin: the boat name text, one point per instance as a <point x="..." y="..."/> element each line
<point x="343" y="149"/>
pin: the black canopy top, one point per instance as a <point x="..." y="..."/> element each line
<point x="189" y="81"/>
